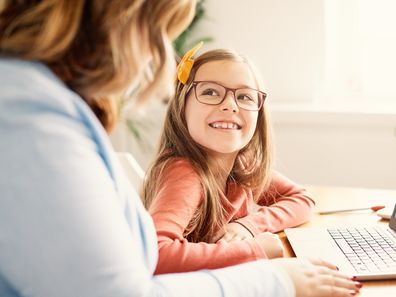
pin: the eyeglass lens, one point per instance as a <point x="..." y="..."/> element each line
<point x="213" y="93"/>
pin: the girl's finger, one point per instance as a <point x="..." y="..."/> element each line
<point x="227" y="237"/>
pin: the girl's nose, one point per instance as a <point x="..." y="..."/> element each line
<point x="229" y="103"/>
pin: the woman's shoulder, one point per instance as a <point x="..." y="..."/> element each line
<point x="29" y="75"/>
<point x="34" y="83"/>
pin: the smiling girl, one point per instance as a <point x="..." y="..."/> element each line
<point x="211" y="191"/>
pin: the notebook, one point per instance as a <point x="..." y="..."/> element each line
<point x="367" y="252"/>
<point x="385" y="213"/>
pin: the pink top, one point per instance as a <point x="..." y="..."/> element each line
<point x="180" y="193"/>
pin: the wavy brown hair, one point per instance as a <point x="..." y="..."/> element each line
<point x="99" y="48"/>
<point x="251" y="167"/>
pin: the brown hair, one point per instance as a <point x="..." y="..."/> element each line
<point x="251" y="168"/>
<point x="100" y="49"/>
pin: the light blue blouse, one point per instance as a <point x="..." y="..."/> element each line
<point x="70" y="223"/>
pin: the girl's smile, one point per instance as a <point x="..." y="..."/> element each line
<point x="225" y="125"/>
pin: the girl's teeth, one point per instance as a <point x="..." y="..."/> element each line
<point x="225" y="125"/>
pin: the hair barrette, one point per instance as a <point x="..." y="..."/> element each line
<point x="186" y="64"/>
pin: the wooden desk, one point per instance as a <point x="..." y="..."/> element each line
<point x="332" y="198"/>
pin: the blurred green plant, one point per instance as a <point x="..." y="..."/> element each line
<point x="183" y="43"/>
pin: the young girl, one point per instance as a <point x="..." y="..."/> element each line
<point x="212" y="177"/>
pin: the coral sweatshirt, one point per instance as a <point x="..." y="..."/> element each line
<point x="284" y="204"/>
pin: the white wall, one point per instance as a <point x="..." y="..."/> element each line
<point x="317" y="142"/>
<point x="284" y="38"/>
<point x="339" y="149"/>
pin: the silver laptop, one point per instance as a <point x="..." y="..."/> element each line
<point x="367" y="252"/>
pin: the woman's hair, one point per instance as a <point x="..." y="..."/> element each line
<point x="251" y="167"/>
<point x="101" y="49"/>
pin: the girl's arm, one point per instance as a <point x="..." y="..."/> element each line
<point x="284" y="204"/>
<point x="178" y="197"/>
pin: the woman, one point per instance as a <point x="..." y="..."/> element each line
<point x="70" y="224"/>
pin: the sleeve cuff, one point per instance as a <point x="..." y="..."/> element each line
<point x="254" y="279"/>
<point x="248" y="225"/>
<point x="258" y="251"/>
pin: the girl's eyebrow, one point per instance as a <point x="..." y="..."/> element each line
<point x="242" y="86"/>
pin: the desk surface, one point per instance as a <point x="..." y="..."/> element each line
<point x="329" y="198"/>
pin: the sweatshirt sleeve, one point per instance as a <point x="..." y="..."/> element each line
<point x="284" y="204"/>
<point x="178" y="197"/>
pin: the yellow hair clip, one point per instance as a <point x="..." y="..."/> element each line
<point x="186" y="64"/>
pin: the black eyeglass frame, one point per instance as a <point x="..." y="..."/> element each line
<point x="233" y="90"/>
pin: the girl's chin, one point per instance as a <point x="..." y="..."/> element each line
<point x="223" y="151"/>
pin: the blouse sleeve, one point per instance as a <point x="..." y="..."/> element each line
<point x="178" y="197"/>
<point x="285" y="204"/>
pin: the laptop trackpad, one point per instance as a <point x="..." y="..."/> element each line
<point x="317" y="243"/>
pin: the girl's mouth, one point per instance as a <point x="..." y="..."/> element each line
<point x="225" y="125"/>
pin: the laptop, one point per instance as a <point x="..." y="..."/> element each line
<point x="368" y="253"/>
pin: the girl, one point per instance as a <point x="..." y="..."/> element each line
<point x="213" y="166"/>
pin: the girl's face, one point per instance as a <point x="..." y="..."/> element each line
<point x="226" y="128"/>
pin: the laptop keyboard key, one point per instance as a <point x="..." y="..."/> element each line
<point x="344" y="246"/>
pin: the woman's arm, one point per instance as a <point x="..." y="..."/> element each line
<point x="285" y="204"/>
<point x="178" y="197"/>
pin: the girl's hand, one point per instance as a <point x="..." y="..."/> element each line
<point x="234" y="231"/>
<point x="271" y="244"/>
<point x="316" y="278"/>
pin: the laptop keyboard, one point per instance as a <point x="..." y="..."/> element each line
<point x="367" y="249"/>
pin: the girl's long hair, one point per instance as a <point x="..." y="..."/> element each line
<point x="99" y="48"/>
<point x="250" y="170"/>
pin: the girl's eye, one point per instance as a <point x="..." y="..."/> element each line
<point x="244" y="97"/>
<point x="210" y="92"/>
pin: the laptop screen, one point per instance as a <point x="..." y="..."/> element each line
<point x="392" y="222"/>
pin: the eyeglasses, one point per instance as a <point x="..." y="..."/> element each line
<point x="211" y="93"/>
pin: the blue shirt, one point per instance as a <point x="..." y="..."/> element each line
<point x="71" y="225"/>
